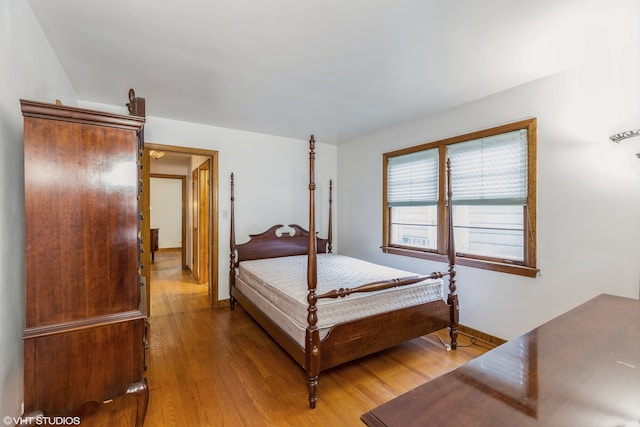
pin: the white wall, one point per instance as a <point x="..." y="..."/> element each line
<point x="28" y="70"/>
<point x="180" y="167"/>
<point x="588" y="187"/>
<point x="166" y="211"/>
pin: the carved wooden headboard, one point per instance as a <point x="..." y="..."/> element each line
<point x="271" y="244"/>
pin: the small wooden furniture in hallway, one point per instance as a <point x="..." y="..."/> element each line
<point x="154" y="242"/>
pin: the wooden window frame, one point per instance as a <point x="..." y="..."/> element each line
<point x="526" y="268"/>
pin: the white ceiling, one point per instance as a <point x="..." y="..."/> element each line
<point x="336" y="68"/>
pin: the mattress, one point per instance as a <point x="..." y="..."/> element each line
<point x="278" y="286"/>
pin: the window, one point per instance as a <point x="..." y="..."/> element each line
<point x="413" y="198"/>
<point x="493" y="175"/>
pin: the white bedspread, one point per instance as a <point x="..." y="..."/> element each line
<point x="279" y="287"/>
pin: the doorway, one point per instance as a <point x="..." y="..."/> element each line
<point x="179" y="161"/>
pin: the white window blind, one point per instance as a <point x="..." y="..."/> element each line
<point x="413" y="179"/>
<point x="490" y="171"/>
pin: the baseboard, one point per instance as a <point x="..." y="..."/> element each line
<point x="223" y="303"/>
<point x="169" y="249"/>
<point x="481" y="336"/>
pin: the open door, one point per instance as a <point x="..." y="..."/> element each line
<point x="204" y="183"/>
<point x="195" y="221"/>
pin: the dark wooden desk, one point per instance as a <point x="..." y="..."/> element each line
<point x="580" y="369"/>
<point x="154" y="242"/>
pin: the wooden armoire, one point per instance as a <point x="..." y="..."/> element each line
<point x="85" y="318"/>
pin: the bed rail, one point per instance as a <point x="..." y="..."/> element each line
<point x="381" y="285"/>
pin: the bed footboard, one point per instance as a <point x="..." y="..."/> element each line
<point x="350" y="341"/>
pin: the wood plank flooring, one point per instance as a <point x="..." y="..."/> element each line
<point x="215" y="367"/>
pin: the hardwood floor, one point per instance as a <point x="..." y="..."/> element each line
<point x="219" y="368"/>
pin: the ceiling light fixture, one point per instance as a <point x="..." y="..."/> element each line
<point x="624" y="135"/>
<point x="625" y="130"/>
<point x="156" y="154"/>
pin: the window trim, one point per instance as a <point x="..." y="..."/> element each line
<point x="527" y="268"/>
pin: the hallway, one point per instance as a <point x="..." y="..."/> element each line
<point x="174" y="290"/>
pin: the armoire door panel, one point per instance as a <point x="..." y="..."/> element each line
<point x="81" y="218"/>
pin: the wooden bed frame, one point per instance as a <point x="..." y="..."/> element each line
<point x="351" y="340"/>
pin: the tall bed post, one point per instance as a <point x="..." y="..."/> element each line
<point x="330" y="232"/>
<point x="232" y="255"/>
<point x="452" y="300"/>
<point x="312" y="340"/>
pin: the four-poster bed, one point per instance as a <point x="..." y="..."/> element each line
<point x="327" y="309"/>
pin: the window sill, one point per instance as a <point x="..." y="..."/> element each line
<point x="519" y="270"/>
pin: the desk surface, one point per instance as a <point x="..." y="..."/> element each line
<point x="579" y="369"/>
